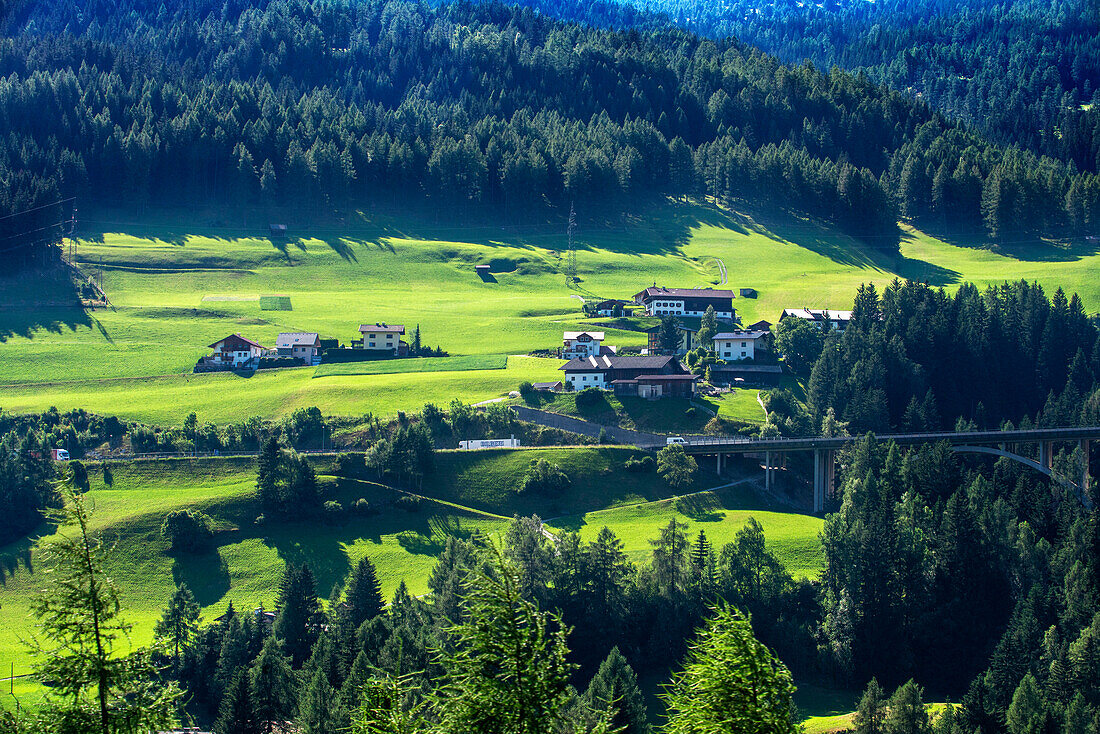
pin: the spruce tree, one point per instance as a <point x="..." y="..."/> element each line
<point x="299" y="613"/>
<point x="870" y="717"/>
<point x="319" y="709"/>
<point x="907" y="714"/>
<point x="268" y="469"/>
<point x="615" y="688"/>
<point x="179" y="624"/>
<point x="236" y="715"/>
<point x="273" y="687"/>
<point x="364" y="594"/>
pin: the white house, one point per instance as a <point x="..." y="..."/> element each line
<point x="741" y="344"/>
<point x="819" y="317"/>
<point x="235" y="351"/>
<point x="382" y="337"/>
<point x="582" y="344"/>
<point x="303" y="345"/>
<point x="661" y="301"/>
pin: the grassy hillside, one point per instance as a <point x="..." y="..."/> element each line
<point x="175" y="290"/>
<point x="468" y="490"/>
<point x="792" y="538"/>
<point x="249" y="559"/>
<point x="487" y="480"/>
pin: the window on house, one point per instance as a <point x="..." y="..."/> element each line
<point x="743" y="344"/>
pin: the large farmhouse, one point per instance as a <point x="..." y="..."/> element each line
<point x="234" y="351"/>
<point x="383" y="338"/>
<point x="661" y="301"/>
<point x="649" y="377"/>
<point x="822" y="318"/>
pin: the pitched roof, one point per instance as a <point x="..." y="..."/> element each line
<point x="662" y="292"/>
<point x="613" y="362"/>
<point x="761" y="325"/>
<point x="238" y="338"/>
<point x="297" y="339"/>
<point x="771" y="369"/>
<point x="741" y="334"/>
<point x="382" y="328"/>
<point x="597" y="335"/>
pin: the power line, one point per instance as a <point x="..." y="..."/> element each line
<point x="43" y="206"/>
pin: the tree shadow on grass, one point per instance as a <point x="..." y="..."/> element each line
<point x="1022" y="246"/>
<point x="39" y="301"/>
<point x="14" y="557"/>
<point x="206" y="575"/>
<point x="701" y="507"/>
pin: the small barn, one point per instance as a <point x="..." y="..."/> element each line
<point x="278" y="231"/>
<point x="747" y="292"/>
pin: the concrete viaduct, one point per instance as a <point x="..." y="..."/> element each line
<point x="995" y="443"/>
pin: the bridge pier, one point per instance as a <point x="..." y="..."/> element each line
<point x="1046" y="449"/>
<point x="1085" y="471"/>
<point x="824" y="473"/>
<point x="767" y="471"/>
<point x="719" y="457"/>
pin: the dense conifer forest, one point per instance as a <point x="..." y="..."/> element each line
<point x="335" y="105"/>
<point x="1023" y="73"/>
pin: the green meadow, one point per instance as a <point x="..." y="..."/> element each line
<point x="468" y="363"/>
<point x="793" y="538"/>
<point x="468" y="491"/>
<point x="174" y="290"/>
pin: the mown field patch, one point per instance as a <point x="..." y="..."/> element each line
<point x="275" y="303"/>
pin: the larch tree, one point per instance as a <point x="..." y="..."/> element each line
<point x="178" y="624"/>
<point x="730" y="682"/>
<point x="97" y="686"/>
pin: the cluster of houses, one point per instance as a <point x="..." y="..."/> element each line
<point x="747" y="353"/>
<point x="297" y="348"/>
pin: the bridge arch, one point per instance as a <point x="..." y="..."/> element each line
<point x="1030" y="463"/>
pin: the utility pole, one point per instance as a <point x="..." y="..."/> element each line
<point x="571" y="258"/>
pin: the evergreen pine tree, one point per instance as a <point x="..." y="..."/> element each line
<point x="273" y="693"/>
<point x="268" y="469"/>
<point x="870" y="717"/>
<point x="364" y="594"/>
<point x="907" y="714"/>
<point x="320" y="710"/>
<point x="299" y="613"/>
<point x="179" y="623"/>
<point x="615" y="688"/>
<point x="236" y="715"/>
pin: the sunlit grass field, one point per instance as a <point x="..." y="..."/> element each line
<point x="793" y="538"/>
<point x="176" y="290"/>
<point x="468" y="491"/>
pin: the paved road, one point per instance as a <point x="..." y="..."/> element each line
<point x="584" y="428"/>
